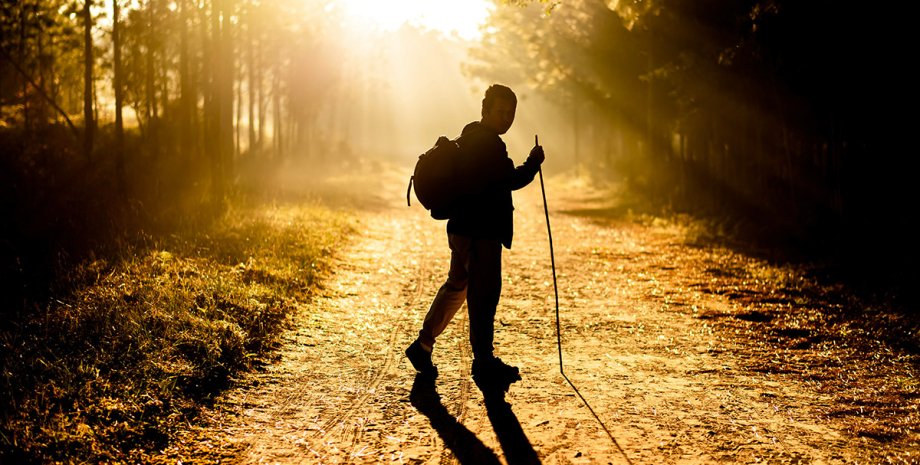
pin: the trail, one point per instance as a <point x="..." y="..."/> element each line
<point x="665" y="338"/>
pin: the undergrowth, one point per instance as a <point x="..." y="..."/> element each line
<point x="108" y="369"/>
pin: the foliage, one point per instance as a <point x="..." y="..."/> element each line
<point x="132" y="292"/>
<point x="185" y="66"/>
<point x="42" y="39"/>
<point x="148" y="336"/>
<point x="773" y="113"/>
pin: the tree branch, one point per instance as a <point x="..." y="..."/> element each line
<point x="41" y="91"/>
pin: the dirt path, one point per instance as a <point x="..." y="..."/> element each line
<point x="680" y="350"/>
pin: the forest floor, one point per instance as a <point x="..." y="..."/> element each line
<point x="687" y="351"/>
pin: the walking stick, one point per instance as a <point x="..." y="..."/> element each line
<point x="552" y="259"/>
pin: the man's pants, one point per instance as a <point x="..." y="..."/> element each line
<point x="475" y="275"/>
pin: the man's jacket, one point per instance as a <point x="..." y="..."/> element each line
<point x="489" y="176"/>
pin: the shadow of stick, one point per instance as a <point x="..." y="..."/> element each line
<point x="468" y="448"/>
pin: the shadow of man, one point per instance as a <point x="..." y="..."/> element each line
<point x="468" y="448"/>
<point x="515" y="445"/>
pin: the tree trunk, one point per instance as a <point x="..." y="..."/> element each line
<point x="185" y="89"/>
<point x="251" y="139"/>
<point x="649" y="110"/>
<point x="576" y="146"/>
<point x="88" y="121"/>
<point x="260" y="97"/>
<point x="41" y="113"/>
<point x="116" y="82"/>
<point x="163" y="81"/>
<point x="205" y="81"/>
<point x="150" y="81"/>
<point x="213" y="110"/>
<point x="226" y="90"/>
<point x="239" y="108"/>
<point x="26" y="109"/>
<point x="276" y="100"/>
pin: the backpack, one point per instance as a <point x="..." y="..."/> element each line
<point x="435" y="178"/>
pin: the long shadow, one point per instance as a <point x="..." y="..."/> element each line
<point x="515" y="445"/>
<point x="468" y="448"/>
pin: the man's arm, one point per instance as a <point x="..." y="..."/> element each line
<point x="524" y="174"/>
<point x="494" y="169"/>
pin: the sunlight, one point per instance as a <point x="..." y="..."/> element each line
<point x="450" y="17"/>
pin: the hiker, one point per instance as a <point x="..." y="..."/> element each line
<point x="477" y="229"/>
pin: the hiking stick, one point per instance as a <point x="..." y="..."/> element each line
<point x="552" y="259"/>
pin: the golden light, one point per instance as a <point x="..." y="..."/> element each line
<point x="462" y="18"/>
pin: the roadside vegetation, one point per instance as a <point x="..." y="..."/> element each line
<point x="124" y="314"/>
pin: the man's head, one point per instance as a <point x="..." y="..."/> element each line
<point x="498" y="107"/>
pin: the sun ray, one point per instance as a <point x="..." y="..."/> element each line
<point x="450" y="17"/>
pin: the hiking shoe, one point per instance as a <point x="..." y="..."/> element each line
<point x="421" y="359"/>
<point x="494" y="369"/>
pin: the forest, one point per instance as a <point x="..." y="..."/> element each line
<point x="132" y="127"/>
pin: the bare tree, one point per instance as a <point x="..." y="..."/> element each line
<point x="88" y="120"/>
<point x="186" y="97"/>
<point x="250" y="56"/>
<point x="151" y="100"/>
<point x="119" y="96"/>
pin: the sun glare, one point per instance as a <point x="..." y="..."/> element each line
<point x="461" y="17"/>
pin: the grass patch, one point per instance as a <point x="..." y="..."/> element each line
<point x="109" y="369"/>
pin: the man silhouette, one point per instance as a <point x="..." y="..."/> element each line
<point x="476" y="231"/>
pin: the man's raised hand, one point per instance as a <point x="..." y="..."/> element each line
<point x="536" y="153"/>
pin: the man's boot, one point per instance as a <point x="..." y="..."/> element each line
<point x="421" y="359"/>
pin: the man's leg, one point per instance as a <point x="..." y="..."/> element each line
<point x="444" y="306"/>
<point x="451" y="295"/>
<point x="485" y="287"/>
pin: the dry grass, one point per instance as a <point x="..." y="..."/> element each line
<point x="112" y="367"/>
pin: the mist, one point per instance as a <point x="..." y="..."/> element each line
<point x="763" y="113"/>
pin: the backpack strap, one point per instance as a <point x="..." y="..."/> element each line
<point x="408" y="190"/>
